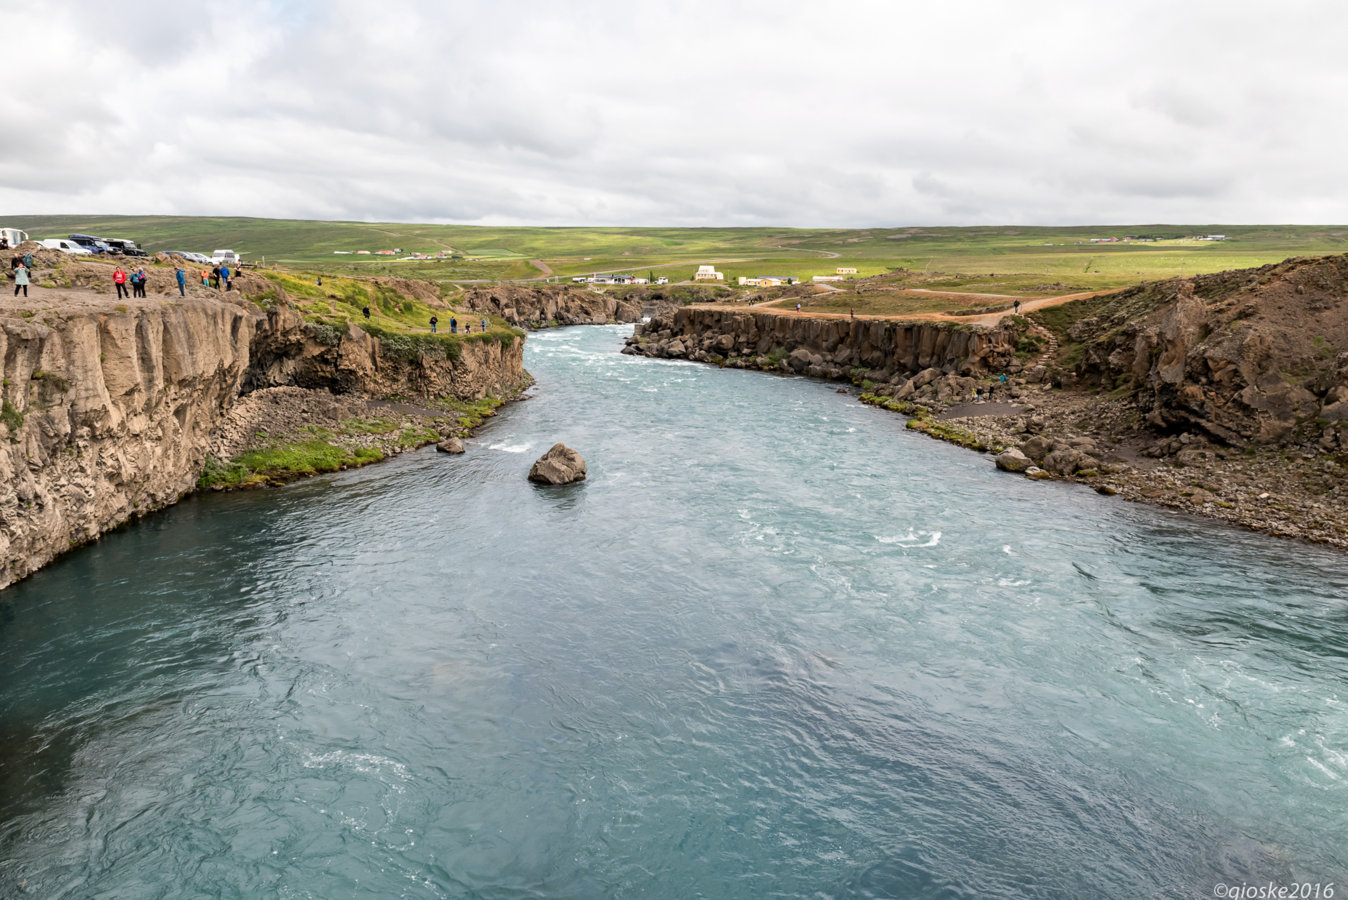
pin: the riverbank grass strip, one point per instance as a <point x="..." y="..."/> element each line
<point x="284" y="462"/>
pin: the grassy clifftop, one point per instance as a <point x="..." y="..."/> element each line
<point x="994" y="259"/>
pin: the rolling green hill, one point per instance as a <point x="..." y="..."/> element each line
<point x="995" y="259"/>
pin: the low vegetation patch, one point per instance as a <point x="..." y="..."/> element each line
<point x="12" y="419"/>
<point x="903" y="407"/>
<point x="283" y="462"/>
<point x="952" y="435"/>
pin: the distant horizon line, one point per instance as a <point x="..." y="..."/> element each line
<point x="685" y="227"/>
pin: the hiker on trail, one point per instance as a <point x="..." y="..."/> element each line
<point x="182" y="281"/>
<point x="215" y="277"/>
<point x="21" y="280"/>
<point x="484" y="326"/>
<point x="797" y="307"/>
<point x="366" y="309"/>
<point x="467" y="327"/>
<point x="434" y="320"/>
<point x="453" y="325"/>
<point x="119" y="279"/>
<point x="224" y="273"/>
<point x="853" y="312"/>
<point x="1016" y="307"/>
<point x="320" y="280"/>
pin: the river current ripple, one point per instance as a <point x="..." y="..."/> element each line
<point x="774" y="646"/>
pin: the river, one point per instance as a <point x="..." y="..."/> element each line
<point x="775" y="645"/>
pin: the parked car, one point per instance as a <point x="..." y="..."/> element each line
<point x="13" y="237"/>
<point x="95" y="244"/>
<point x="200" y="259"/>
<point x="66" y="246"/>
<point x="225" y="258"/>
<point x="124" y="246"/>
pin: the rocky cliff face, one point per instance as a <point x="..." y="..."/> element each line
<point x="825" y="347"/>
<point x="108" y="411"/>
<point x="287" y="351"/>
<point x="1249" y="356"/>
<point x="106" y="416"/>
<point x="543" y="305"/>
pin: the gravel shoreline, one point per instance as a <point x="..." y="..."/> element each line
<point x="1282" y="491"/>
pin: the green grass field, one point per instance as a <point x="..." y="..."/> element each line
<point x="1012" y="260"/>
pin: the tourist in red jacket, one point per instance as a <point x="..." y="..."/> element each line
<point x="119" y="279"/>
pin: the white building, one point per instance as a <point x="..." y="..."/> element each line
<point x="846" y="270"/>
<point x="708" y="273"/>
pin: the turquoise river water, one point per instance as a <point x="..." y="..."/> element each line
<point x="775" y="646"/>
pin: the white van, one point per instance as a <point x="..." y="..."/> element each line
<point x="66" y="246"/>
<point x="225" y="258"/>
<point x="13" y="236"/>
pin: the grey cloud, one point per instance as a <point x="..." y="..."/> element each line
<point x="595" y="112"/>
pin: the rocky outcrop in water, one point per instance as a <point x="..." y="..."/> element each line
<point x="560" y="465"/>
<point x="826" y="347"/>
<point x="548" y="305"/>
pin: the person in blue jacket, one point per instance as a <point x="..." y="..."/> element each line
<point x="182" y="281"/>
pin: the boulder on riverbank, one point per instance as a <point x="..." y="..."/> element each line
<point x="1013" y="461"/>
<point x="450" y="445"/>
<point x="560" y="465"/>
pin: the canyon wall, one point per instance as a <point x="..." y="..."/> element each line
<point x="108" y="410"/>
<point x="544" y="305"/>
<point x="881" y="350"/>
<point x="106" y="416"/>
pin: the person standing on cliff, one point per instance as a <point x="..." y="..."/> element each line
<point x="215" y="277"/>
<point x="224" y="273"/>
<point x="366" y="309"/>
<point x="453" y="325"/>
<point x="484" y="326"/>
<point x="434" y="320"/>
<point x="1016" y="308"/>
<point x="140" y="279"/>
<point x="182" y="281"/>
<point x="21" y="280"/>
<point x="119" y="279"/>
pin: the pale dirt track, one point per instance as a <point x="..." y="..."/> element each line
<point x="987" y="319"/>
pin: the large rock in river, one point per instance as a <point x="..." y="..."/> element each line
<point x="560" y="465"/>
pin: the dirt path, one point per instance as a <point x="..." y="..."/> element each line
<point x="988" y="319"/>
<point x="541" y="266"/>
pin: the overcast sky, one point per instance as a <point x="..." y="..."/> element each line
<point x="597" y="112"/>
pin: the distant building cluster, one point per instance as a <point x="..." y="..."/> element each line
<point x="443" y="254"/>
<point x="768" y="280"/>
<point x="616" y="279"/>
